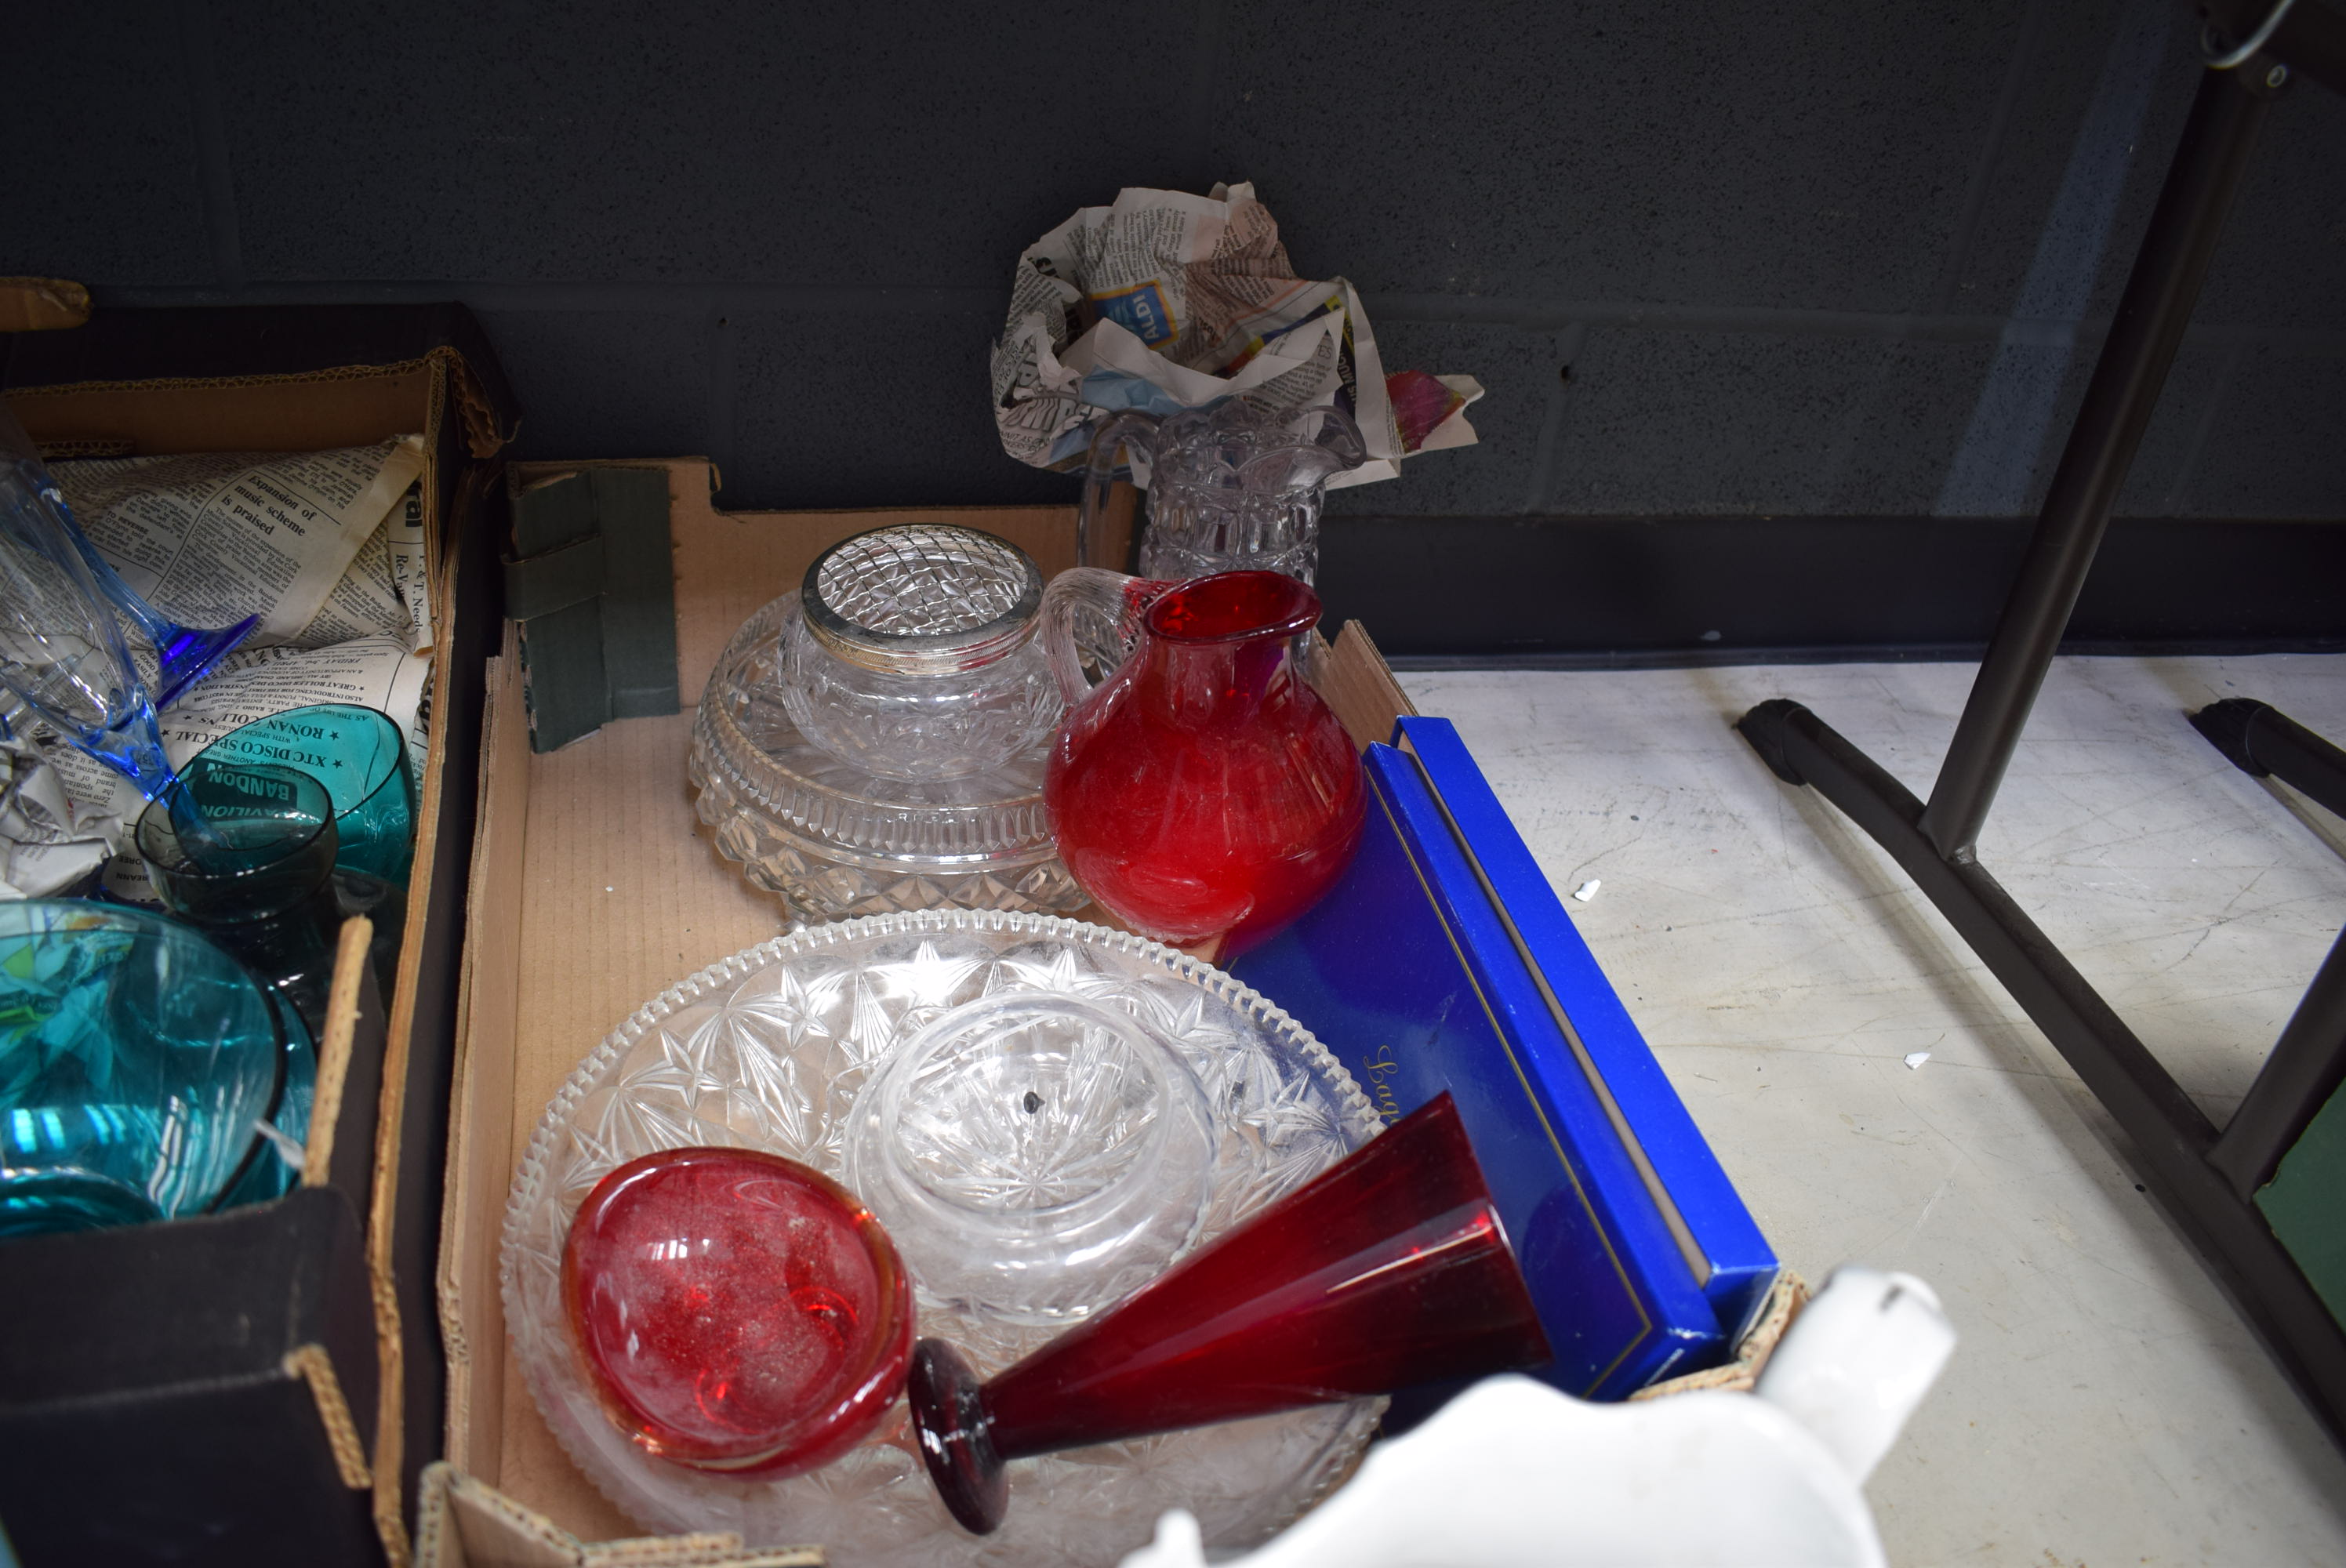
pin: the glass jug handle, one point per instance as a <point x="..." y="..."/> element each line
<point x="1099" y="472"/>
<point x="1091" y="622"/>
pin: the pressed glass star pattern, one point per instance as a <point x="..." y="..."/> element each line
<point x="771" y="1051"/>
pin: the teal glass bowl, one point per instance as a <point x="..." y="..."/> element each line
<point x="137" y="1064"/>
<point x="360" y="757"/>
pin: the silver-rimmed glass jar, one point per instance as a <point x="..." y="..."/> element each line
<point x="915" y="655"/>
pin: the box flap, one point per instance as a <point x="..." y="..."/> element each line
<point x="248" y="1287"/>
<point x="462" y="1523"/>
<point x="591" y="582"/>
<point x="214" y="348"/>
<point x="1358" y="689"/>
<point x="41" y="304"/>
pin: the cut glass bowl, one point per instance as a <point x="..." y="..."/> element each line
<point x="914" y="656"/>
<point x="770" y="1050"/>
<point x="1035" y="1156"/>
<point x="835" y="842"/>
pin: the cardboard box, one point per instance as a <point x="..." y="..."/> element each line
<point x="128" y="1356"/>
<point x="595" y="888"/>
<point x="264" y="1385"/>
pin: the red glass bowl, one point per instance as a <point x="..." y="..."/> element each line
<point x="735" y="1310"/>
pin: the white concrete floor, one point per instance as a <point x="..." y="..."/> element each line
<point x="2106" y="1406"/>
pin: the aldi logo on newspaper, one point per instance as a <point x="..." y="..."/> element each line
<point x="1139" y="310"/>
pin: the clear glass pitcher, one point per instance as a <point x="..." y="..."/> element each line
<point x="1231" y="488"/>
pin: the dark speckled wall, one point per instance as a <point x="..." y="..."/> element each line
<point x="1708" y="257"/>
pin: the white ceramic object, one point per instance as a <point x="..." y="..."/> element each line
<point x="1860" y="1358"/>
<point x="1513" y="1474"/>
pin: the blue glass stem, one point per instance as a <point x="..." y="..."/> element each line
<point x="185" y="655"/>
<point x="134" y="749"/>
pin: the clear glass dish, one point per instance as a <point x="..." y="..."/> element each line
<point x="914" y="659"/>
<point x="1035" y="1156"/>
<point x="836" y="841"/>
<point x="772" y="1050"/>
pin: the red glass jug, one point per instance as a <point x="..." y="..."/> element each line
<point x="1203" y="788"/>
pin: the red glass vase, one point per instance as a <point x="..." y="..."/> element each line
<point x="1204" y="788"/>
<point x="736" y="1311"/>
<point x="1388" y="1269"/>
<point x="739" y="1312"/>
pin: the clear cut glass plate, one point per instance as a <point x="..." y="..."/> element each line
<point x="769" y="1050"/>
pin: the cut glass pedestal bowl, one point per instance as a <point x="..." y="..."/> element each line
<point x="772" y="1050"/>
<point x="834" y="841"/>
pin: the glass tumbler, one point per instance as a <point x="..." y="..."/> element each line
<point x="136" y="1061"/>
<point x="360" y="757"/>
<point x="260" y="881"/>
<point x="912" y="655"/>
<point x="1034" y="1155"/>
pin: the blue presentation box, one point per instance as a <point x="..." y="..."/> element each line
<point x="1444" y="960"/>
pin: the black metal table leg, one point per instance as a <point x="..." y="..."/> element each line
<point x="2262" y="739"/>
<point x="2306" y="1064"/>
<point x="2115" y="1065"/>
<point x="2207" y="1180"/>
<point x="2152" y="314"/>
<point x="2173" y="1136"/>
<point x="2308" y="1061"/>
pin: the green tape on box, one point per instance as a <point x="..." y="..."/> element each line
<point x="592" y="586"/>
<point x="2305" y="1204"/>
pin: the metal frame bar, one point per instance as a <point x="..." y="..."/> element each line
<point x="2304" y="1069"/>
<point x="2152" y="314"/>
<point x="2258" y="738"/>
<point x="2206" y="1179"/>
<point x="2173" y="1137"/>
<point x="2308" y="1061"/>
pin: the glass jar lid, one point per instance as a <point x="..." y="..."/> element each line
<point x="1034" y="1155"/>
<point x="922" y="598"/>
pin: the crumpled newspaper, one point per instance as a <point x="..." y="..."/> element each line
<point x="1164" y="301"/>
<point x="61" y="808"/>
<point x="52" y="841"/>
<point x="326" y="548"/>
